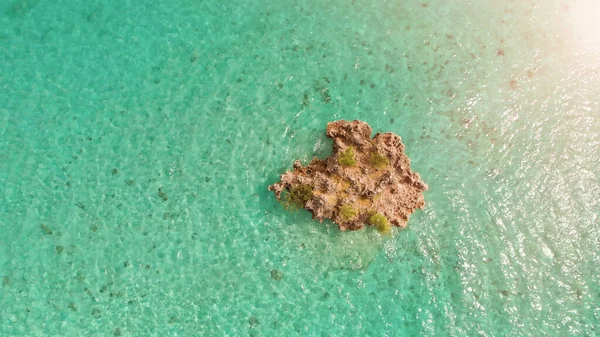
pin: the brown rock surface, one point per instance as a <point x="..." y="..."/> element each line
<point x="392" y="189"/>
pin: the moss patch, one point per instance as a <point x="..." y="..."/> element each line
<point x="347" y="212"/>
<point x="380" y="222"/>
<point x="378" y="160"/>
<point x="347" y="157"/>
<point x="297" y="196"/>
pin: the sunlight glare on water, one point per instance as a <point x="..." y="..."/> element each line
<point x="584" y="17"/>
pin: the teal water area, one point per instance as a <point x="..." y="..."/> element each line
<point x="138" y="138"/>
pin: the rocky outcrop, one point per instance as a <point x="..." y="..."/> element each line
<point x="365" y="181"/>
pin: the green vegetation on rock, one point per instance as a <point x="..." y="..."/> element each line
<point x="297" y="196"/>
<point x="346" y="157"/>
<point x="378" y="160"/>
<point x="347" y="212"/>
<point x="380" y="222"/>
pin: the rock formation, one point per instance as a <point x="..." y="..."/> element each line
<point x="365" y="181"/>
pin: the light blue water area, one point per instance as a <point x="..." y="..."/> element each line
<point x="137" y="141"/>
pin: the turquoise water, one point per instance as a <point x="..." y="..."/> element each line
<point x="137" y="141"/>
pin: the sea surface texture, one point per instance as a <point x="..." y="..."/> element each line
<point x="138" y="138"/>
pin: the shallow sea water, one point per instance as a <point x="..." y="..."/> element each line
<point x="137" y="141"/>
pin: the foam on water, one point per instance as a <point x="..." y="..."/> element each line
<point x="137" y="141"/>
